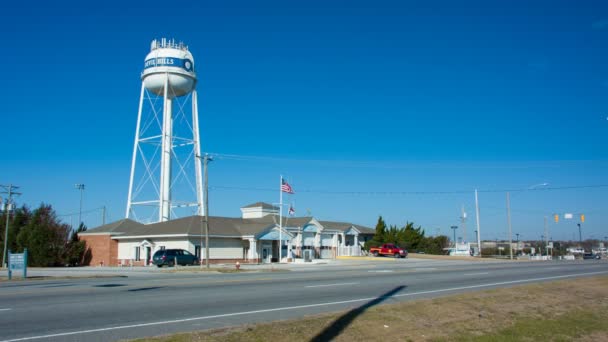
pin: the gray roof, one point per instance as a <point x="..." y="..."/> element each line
<point x="263" y="205"/>
<point x="344" y="226"/>
<point x="115" y="227"/>
<point x="218" y="226"/>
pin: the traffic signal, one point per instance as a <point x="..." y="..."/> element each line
<point x="556" y="218"/>
<point x="583" y="218"/>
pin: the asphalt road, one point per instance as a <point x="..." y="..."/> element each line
<point x="153" y="303"/>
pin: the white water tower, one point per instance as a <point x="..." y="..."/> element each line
<point x="165" y="172"/>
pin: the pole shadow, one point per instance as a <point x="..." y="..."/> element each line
<point x="345" y="320"/>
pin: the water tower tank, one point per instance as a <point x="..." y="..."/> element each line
<point x="172" y="62"/>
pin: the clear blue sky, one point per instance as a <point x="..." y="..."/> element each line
<point x="428" y="96"/>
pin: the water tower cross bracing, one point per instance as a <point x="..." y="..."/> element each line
<point x="166" y="178"/>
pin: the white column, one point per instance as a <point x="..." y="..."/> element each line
<point x="253" y="249"/>
<point x="356" y="240"/>
<point x="165" y="159"/>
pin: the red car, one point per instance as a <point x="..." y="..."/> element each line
<point x="389" y="249"/>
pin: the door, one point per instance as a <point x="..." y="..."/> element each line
<point x="266" y="254"/>
<point x="148" y="255"/>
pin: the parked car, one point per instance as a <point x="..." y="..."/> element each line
<point x="591" y="256"/>
<point x="389" y="249"/>
<point x="170" y="256"/>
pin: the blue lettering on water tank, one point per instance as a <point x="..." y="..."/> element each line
<point x="185" y="64"/>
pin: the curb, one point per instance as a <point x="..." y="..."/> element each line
<point x="366" y="258"/>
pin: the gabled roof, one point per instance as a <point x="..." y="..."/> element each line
<point x="115" y="227"/>
<point x="262" y="205"/>
<point x="344" y="226"/>
<point x="218" y="226"/>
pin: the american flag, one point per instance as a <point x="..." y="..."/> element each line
<point x="292" y="211"/>
<point x="285" y="187"/>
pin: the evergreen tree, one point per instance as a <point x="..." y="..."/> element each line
<point x="17" y="219"/>
<point x="412" y="237"/>
<point x="45" y="237"/>
<point x="392" y="235"/>
<point x="380" y="230"/>
<point x="75" y="249"/>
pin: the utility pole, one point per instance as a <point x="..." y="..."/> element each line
<point x="81" y="188"/>
<point x="103" y="215"/>
<point x="463" y="220"/>
<point x="580" y="234"/>
<point x="454" y="229"/>
<point x="478" y="229"/>
<point x="7" y="189"/>
<point x="546" y="236"/>
<point x="206" y="160"/>
<point x="509" y="223"/>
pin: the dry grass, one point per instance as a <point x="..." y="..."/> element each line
<point x="558" y="311"/>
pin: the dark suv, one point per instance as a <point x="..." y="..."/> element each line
<point x="170" y="256"/>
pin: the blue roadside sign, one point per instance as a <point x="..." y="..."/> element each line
<point x="17" y="262"/>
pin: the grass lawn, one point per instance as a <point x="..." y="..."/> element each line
<point x="569" y="310"/>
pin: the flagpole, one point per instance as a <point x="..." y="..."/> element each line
<point x="280" y="217"/>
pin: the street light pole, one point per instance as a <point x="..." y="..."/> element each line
<point x="478" y="247"/>
<point x="477" y="217"/>
<point x="81" y="188"/>
<point x="542" y="238"/>
<point x="546" y="236"/>
<point x="509" y="222"/>
<point x="580" y="234"/>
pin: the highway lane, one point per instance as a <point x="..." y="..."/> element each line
<point x="113" y="308"/>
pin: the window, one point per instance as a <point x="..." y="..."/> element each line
<point x="137" y="258"/>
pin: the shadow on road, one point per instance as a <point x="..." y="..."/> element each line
<point x="345" y="320"/>
<point x="146" y="288"/>
<point x="109" y="285"/>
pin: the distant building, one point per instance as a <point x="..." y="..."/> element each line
<point x="251" y="238"/>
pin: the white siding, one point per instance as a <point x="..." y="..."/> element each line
<point x="327" y="240"/>
<point x="225" y="249"/>
<point x="126" y="248"/>
<point x="309" y="239"/>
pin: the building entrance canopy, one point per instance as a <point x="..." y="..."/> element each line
<point x="274" y="235"/>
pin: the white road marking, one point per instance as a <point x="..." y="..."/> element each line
<point x="285" y="308"/>
<point x="381" y="271"/>
<point x="332" y="285"/>
<point x="5" y="309"/>
<point x="478" y="273"/>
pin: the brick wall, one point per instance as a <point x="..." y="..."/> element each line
<point x="103" y="250"/>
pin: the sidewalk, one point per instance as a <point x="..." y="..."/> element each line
<point x="142" y="271"/>
<point x="150" y="271"/>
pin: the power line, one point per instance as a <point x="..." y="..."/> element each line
<point x="84" y="212"/>
<point x="392" y="193"/>
<point x="410" y="165"/>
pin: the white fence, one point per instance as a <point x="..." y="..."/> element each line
<point x="349" y="251"/>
